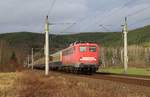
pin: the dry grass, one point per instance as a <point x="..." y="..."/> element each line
<point x="7" y="88"/>
<point x="35" y="84"/>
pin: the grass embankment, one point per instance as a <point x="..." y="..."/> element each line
<point x="132" y="71"/>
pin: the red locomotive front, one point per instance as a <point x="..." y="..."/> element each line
<point x="81" y="55"/>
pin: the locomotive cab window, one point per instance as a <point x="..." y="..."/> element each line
<point x="92" y="49"/>
<point x="82" y="49"/>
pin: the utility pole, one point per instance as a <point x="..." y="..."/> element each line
<point x="125" y="31"/>
<point x="1" y="51"/>
<point x="28" y="59"/>
<point x="46" y="48"/>
<point x="32" y="58"/>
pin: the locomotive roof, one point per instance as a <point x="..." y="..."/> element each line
<point x="81" y="44"/>
<point x="78" y="44"/>
<point x="86" y="44"/>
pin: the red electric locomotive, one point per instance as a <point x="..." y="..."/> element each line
<point x="81" y="57"/>
<point x="78" y="57"/>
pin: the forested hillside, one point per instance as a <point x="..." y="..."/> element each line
<point x="20" y="43"/>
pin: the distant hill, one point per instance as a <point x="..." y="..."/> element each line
<point x="28" y="39"/>
<point x="139" y="36"/>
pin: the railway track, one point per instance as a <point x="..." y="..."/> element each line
<point x="123" y="78"/>
<point x="129" y="79"/>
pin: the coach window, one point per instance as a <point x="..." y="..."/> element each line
<point x="82" y="49"/>
<point x="92" y="49"/>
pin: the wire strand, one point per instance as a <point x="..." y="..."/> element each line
<point x="105" y="16"/>
<point x="51" y="7"/>
<point x="138" y="11"/>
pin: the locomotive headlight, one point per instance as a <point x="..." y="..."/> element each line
<point x="87" y="58"/>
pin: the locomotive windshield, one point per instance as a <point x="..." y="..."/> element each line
<point x="82" y="49"/>
<point x="92" y="49"/>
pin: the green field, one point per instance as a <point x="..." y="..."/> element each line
<point x="132" y="71"/>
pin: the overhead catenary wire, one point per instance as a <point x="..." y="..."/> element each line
<point x="117" y="9"/>
<point x="68" y="27"/>
<point x="48" y="14"/>
<point x="110" y="13"/>
<point x="85" y="18"/>
<point x="77" y="22"/>
<point x="51" y="7"/>
<point x="104" y="27"/>
<point x="121" y="7"/>
<point x="81" y="20"/>
<point x="138" y="11"/>
<point x="132" y="24"/>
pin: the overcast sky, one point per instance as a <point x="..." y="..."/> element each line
<point x="83" y="15"/>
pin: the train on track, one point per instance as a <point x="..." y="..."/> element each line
<point x="77" y="58"/>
